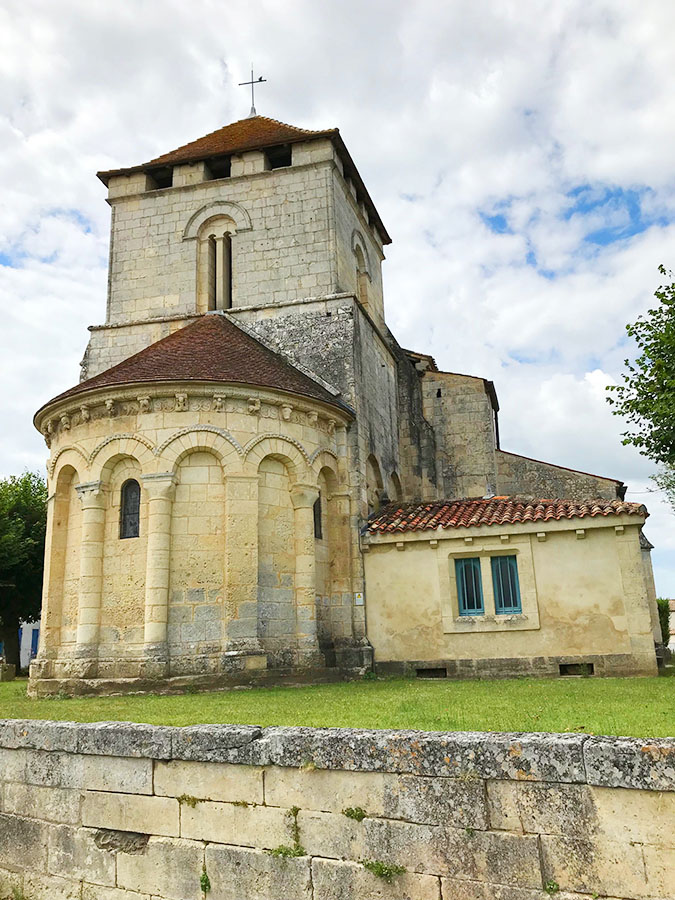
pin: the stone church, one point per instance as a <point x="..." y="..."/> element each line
<point x="253" y="481"/>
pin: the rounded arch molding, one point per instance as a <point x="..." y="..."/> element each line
<point x="198" y="438"/>
<point x="323" y="457"/>
<point x="132" y="441"/>
<point x="237" y="213"/>
<point x="359" y="243"/>
<point x="72" y="448"/>
<point x="278" y="445"/>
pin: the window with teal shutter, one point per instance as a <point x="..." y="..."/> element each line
<point x="505" y="584"/>
<point x="469" y="587"/>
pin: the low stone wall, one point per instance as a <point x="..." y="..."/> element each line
<point x="114" y="811"/>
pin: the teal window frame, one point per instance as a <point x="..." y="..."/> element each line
<point x="469" y="586"/>
<point x="506" y="586"/>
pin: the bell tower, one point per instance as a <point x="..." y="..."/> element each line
<point x="256" y="217"/>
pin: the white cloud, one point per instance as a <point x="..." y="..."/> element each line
<point x="450" y="110"/>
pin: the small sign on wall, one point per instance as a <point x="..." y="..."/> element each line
<point x="358" y="598"/>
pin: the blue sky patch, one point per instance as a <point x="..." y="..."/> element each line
<point x="621" y="207"/>
<point x="496" y="223"/>
<point x="74" y="215"/>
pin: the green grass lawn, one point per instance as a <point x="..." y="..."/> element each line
<point x="643" y="707"/>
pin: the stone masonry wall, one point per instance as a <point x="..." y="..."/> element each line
<point x="113" y="811"/>
<point x="522" y="475"/>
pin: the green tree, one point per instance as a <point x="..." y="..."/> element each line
<point x="646" y="399"/>
<point x="23" y="521"/>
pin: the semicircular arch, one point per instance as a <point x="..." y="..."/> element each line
<point x="234" y="211"/>
<point x="204" y="438"/>
<point x="124" y="445"/>
<point x="282" y="447"/>
<point x="74" y="450"/>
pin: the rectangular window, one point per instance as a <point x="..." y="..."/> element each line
<point x="469" y="587"/>
<point x="505" y="585"/>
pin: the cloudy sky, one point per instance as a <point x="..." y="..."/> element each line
<point x="519" y="152"/>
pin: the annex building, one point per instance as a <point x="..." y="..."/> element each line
<point x="254" y="481"/>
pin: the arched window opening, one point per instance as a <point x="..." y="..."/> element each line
<point x="215" y="264"/>
<point x="374" y="485"/>
<point x="318" y="523"/>
<point x="211" y="274"/>
<point x="362" y="278"/>
<point x="130" y="509"/>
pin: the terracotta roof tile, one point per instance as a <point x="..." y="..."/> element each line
<point x="473" y="513"/>
<point x="246" y="134"/>
<point x="214" y="349"/>
<point x="256" y="133"/>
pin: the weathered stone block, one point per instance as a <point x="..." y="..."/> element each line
<point x="334" y="880"/>
<point x="479" y="890"/>
<point x="12" y="765"/>
<point x="660" y="869"/>
<point x="216" y="743"/>
<point x="46" y="803"/>
<point x="9" y="882"/>
<point x="123" y="775"/>
<point x="503" y="810"/>
<point x="126" y="812"/>
<point x="50" y="887"/>
<point x="73" y="854"/>
<point x="125" y="739"/>
<point x="169" y="869"/>
<point x="248" y="826"/>
<point x="645" y="817"/>
<point x="631" y="763"/>
<point x="433" y="801"/>
<point x="595" y="866"/>
<point x="96" y="892"/>
<point x="209" y="781"/>
<point x="23" y="843"/>
<point x="39" y="735"/>
<point x="236" y="873"/>
<point x="522" y="757"/>
<point x="53" y="769"/>
<point x="430" y="849"/>
<point x="556" y="808"/>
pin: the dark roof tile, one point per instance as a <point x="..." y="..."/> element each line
<point x="214" y="349"/>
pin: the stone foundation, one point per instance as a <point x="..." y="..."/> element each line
<point x="114" y="811"/>
<point x="588" y="665"/>
<point x="252" y="672"/>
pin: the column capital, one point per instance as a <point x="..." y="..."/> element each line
<point x="91" y="494"/>
<point x="304" y="495"/>
<point x="160" y="485"/>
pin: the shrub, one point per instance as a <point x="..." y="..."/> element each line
<point x="386" y="871"/>
<point x="355" y="812"/>
<point x="663" y="604"/>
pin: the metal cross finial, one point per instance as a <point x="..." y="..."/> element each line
<point x="253" y="83"/>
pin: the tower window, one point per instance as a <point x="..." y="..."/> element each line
<point x="220" y="271"/>
<point x="318" y="524"/>
<point x="219" y="167"/>
<point x="162" y="177"/>
<point x="130" y="509"/>
<point x="278" y="157"/>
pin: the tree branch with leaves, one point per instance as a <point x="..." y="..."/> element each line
<point x="646" y="399"/>
<point x="23" y="522"/>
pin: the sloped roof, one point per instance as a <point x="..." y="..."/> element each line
<point x="214" y="349"/>
<point x="472" y="513"/>
<point x="247" y="134"/>
<point x="256" y="133"/>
